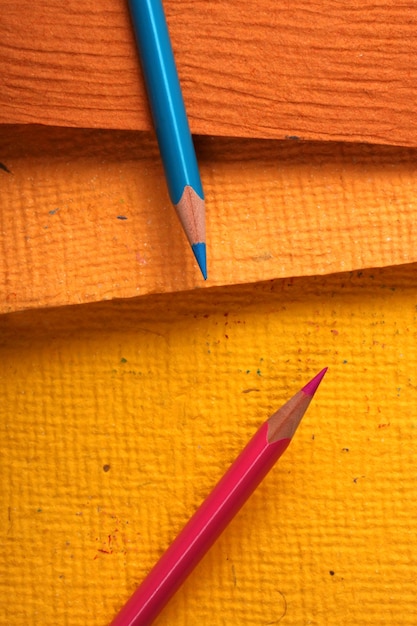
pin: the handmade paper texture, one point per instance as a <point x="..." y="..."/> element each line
<point x="317" y="70"/>
<point x="85" y="215"/>
<point x="117" y="418"/>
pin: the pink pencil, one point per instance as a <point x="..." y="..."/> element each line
<point x="215" y="513"/>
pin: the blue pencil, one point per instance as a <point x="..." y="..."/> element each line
<point x="170" y="121"/>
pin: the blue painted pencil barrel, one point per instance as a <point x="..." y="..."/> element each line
<point x="165" y="97"/>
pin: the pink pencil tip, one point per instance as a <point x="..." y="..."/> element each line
<point x="311" y="387"/>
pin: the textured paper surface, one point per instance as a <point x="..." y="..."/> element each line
<point x="85" y="215"/>
<point x="117" y="418"/>
<point x="317" y="69"/>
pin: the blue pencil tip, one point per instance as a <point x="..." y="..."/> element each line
<point x="199" y="250"/>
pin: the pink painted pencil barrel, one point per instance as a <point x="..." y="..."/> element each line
<point x="215" y="513"/>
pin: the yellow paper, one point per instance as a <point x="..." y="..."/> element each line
<point x="118" y="418"/>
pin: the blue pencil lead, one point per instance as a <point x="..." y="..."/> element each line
<point x="199" y="250"/>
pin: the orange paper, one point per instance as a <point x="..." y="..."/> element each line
<point x="318" y="70"/>
<point x="85" y="215"/>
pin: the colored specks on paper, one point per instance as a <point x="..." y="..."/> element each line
<point x="4" y="168"/>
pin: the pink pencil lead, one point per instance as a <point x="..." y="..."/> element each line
<point x="311" y="387"/>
